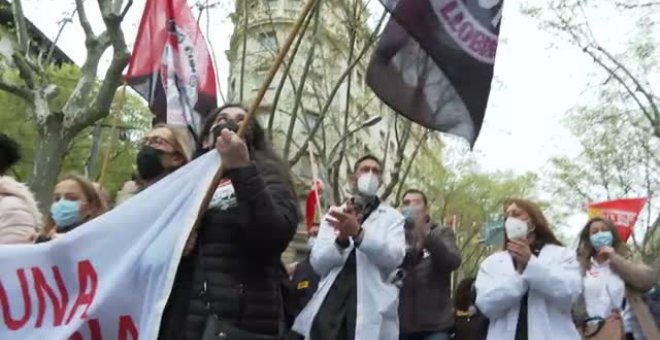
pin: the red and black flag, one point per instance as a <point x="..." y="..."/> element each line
<point x="171" y="67"/>
<point x="434" y="62"/>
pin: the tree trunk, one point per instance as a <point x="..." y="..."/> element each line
<point x="48" y="160"/>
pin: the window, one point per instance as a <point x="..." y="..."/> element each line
<point x="268" y="40"/>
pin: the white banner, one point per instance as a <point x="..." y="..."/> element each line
<point x="109" y="278"/>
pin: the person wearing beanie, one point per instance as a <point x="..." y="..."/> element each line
<point x="20" y="218"/>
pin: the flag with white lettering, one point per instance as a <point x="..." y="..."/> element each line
<point x="434" y="62"/>
<point x="171" y="66"/>
<point x="111" y="277"/>
<point x="622" y="212"/>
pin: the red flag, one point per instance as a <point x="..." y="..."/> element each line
<point x="623" y="212"/>
<point x="311" y="205"/>
<point x="171" y="67"/>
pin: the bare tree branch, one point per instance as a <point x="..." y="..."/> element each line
<point x="639" y="87"/>
<point x="113" y="78"/>
<point x="399" y="191"/>
<point x="628" y="5"/>
<point x="398" y="163"/>
<point x="63" y="24"/>
<point x="125" y="10"/>
<point x="335" y="89"/>
<point x="21" y="26"/>
<point x="84" y="22"/>
<point x="16" y="90"/>
<point x="286" y="71"/>
<point x="25" y="71"/>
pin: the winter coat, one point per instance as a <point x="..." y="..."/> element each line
<point x="425" y="304"/>
<point x="378" y="256"/>
<point x="553" y="282"/>
<point x="305" y="281"/>
<point x="20" y="218"/>
<point x="250" y="221"/>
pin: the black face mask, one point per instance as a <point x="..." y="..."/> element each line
<point x="149" y="163"/>
<point x="227" y="124"/>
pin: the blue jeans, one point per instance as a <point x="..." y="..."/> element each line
<point x="424" y="336"/>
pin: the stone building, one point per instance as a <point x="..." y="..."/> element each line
<point x="261" y="26"/>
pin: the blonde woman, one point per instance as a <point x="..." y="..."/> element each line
<point x="613" y="283"/>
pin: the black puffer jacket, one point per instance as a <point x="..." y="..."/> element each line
<point x="243" y="235"/>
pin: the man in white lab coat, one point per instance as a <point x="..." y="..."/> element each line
<point x="358" y="251"/>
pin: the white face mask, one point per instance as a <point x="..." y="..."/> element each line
<point x="368" y="184"/>
<point x="516" y="228"/>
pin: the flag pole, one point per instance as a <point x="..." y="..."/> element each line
<point x="315" y="177"/>
<point x="251" y="114"/>
<point x="113" y="134"/>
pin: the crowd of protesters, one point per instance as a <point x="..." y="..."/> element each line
<point x="374" y="272"/>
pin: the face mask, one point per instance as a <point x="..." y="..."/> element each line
<point x="367" y="184"/>
<point x="516" y="228"/>
<point x="601" y="239"/>
<point x="228" y="124"/>
<point x="65" y="213"/>
<point x="407" y="213"/>
<point x="310" y="242"/>
<point x="149" y="163"/>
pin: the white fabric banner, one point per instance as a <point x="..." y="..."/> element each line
<point x="109" y="278"/>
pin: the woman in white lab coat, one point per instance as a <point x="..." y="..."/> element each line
<point x="610" y="278"/>
<point x="527" y="289"/>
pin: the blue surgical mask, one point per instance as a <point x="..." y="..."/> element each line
<point x="310" y="242"/>
<point x="407" y="212"/>
<point x="65" y="213"/>
<point x="601" y="239"/>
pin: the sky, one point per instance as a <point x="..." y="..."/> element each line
<point x="539" y="77"/>
<point x="536" y="83"/>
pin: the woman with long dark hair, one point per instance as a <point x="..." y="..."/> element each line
<point x="527" y="289"/>
<point x="232" y="284"/>
<point x="613" y="284"/>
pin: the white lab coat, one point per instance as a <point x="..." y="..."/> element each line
<point x="554" y="282"/>
<point x="378" y="256"/>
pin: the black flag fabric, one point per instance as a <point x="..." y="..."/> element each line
<point x="434" y="62"/>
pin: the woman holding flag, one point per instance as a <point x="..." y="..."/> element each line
<point x="612" y="303"/>
<point x="235" y="286"/>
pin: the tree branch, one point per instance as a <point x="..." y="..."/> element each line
<point x="63" y="24"/>
<point x="627" y="5"/>
<point x="100" y="107"/>
<point x="125" y="10"/>
<point x="25" y="71"/>
<point x="287" y="69"/>
<point x="337" y="86"/>
<point x="399" y="191"/>
<point x="84" y="22"/>
<point x="16" y="90"/>
<point x="398" y="163"/>
<point x="21" y="26"/>
<point x="640" y="88"/>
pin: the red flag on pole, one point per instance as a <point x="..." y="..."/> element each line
<point x="171" y="66"/>
<point x="312" y="205"/>
<point x="623" y="212"/>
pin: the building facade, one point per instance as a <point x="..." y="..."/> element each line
<point x="332" y="93"/>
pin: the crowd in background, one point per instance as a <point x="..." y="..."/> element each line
<point x="374" y="272"/>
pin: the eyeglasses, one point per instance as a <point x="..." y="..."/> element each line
<point x="156" y="141"/>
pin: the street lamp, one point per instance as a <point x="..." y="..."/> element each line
<point x="371" y="121"/>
